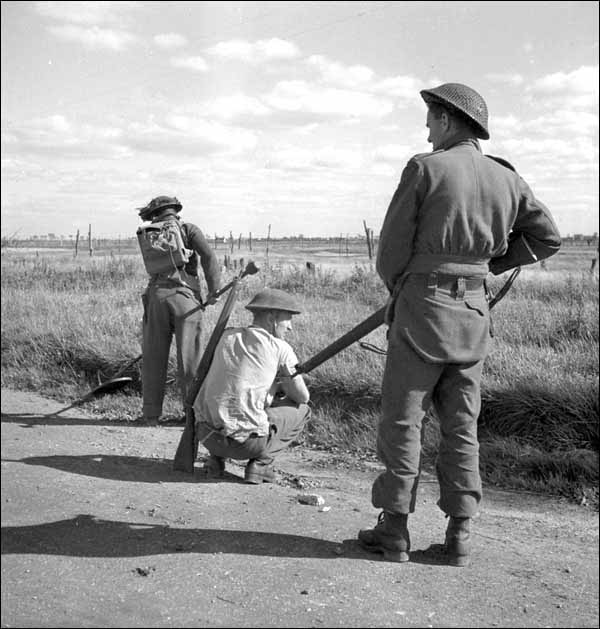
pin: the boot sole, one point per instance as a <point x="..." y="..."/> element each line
<point x="459" y="561"/>
<point x="257" y="480"/>
<point x="396" y="556"/>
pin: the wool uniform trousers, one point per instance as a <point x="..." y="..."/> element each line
<point x="168" y="311"/>
<point x="286" y="422"/>
<point x="410" y="385"/>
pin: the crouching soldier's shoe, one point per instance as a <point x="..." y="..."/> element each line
<point x="214" y="466"/>
<point x="458" y="541"/>
<point x="257" y="473"/>
<point x="390" y="537"/>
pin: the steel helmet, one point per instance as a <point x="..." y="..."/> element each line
<point x="466" y="100"/>
<point x="273" y="299"/>
<point x="157" y="204"/>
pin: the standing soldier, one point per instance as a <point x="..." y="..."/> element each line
<point x="455" y="215"/>
<point x="172" y="300"/>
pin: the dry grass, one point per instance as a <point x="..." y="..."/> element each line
<point x="68" y="324"/>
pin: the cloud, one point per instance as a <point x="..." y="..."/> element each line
<point x="578" y="88"/>
<point x="197" y="64"/>
<point x="255" y="53"/>
<point x="505" y="78"/>
<point x="170" y="40"/>
<point x="236" y="106"/>
<point x="178" y="133"/>
<point x="339" y="74"/>
<point x="57" y="136"/>
<point x="94" y="37"/>
<point x="302" y="97"/>
<point x="565" y="122"/>
<point x="393" y="153"/>
<point x="363" y="78"/>
<point x="86" y="12"/>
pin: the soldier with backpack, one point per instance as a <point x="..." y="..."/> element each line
<point x="172" y="301"/>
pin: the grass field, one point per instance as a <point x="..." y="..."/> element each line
<point x="70" y="323"/>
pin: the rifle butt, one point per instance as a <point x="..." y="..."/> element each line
<point x="185" y="456"/>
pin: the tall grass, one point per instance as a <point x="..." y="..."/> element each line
<point x="67" y="325"/>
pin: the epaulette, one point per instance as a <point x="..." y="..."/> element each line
<point x="424" y="155"/>
<point x="503" y="162"/>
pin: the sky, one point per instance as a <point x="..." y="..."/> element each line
<point x="296" y="115"/>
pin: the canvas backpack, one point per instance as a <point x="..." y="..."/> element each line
<point x="163" y="247"/>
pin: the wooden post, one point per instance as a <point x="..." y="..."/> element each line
<point x="240" y="242"/>
<point x="231" y="242"/>
<point x="90" y="240"/>
<point x="250" y="241"/>
<point x="76" y="243"/>
<point x="268" y="238"/>
<point x="215" y="241"/>
<point x="369" y="244"/>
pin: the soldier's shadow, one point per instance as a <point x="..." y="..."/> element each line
<point x="124" y="468"/>
<point x="87" y="536"/>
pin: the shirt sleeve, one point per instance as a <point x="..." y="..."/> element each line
<point x="287" y="357"/>
<point x="399" y="226"/>
<point x="208" y="260"/>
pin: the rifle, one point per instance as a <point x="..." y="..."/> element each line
<point x="356" y="333"/>
<point x="187" y="449"/>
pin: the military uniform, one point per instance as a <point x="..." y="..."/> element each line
<point x="173" y="305"/>
<point x="455" y="215"/>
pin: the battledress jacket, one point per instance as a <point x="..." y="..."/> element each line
<point x="461" y="213"/>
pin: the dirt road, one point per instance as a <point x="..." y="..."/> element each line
<point x="98" y="531"/>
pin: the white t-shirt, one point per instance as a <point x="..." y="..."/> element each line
<point x="240" y="382"/>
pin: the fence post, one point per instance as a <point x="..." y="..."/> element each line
<point x="76" y="243"/>
<point x="90" y="240"/>
<point x="268" y="239"/>
<point x="250" y="241"/>
<point x="369" y="243"/>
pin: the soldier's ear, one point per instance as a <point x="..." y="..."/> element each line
<point x="446" y="120"/>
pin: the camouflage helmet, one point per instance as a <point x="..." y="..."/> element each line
<point x="156" y="205"/>
<point x="273" y="299"/>
<point x="465" y="100"/>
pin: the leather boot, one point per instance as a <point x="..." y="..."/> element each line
<point x="390" y="537"/>
<point x="458" y="541"/>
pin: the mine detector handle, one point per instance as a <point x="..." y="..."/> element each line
<point x="356" y="333"/>
<point x="250" y="269"/>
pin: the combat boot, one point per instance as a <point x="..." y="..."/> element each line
<point x="214" y="466"/>
<point x="458" y="541"/>
<point x="390" y="537"/>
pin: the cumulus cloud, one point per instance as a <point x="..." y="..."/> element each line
<point x="94" y="37"/>
<point x="505" y="78"/>
<point x="339" y="74"/>
<point x="393" y="153"/>
<point x="361" y="77"/>
<point x="234" y="107"/>
<point x="86" y="12"/>
<point x="197" y="64"/>
<point x="578" y="88"/>
<point x="170" y="40"/>
<point x="261" y="51"/>
<point x="57" y="136"/>
<point x="302" y="97"/>
<point x="178" y="133"/>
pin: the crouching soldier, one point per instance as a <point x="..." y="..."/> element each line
<point x="250" y="405"/>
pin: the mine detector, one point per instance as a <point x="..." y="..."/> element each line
<point x="187" y="449"/>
